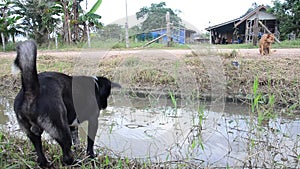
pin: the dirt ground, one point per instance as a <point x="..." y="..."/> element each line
<point x="242" y="53"/>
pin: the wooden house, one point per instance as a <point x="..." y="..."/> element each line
<point x="246" y="29"/>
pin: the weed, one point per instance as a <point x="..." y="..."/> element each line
<point x="131" y="62"/>
<point x="173" y="99"/>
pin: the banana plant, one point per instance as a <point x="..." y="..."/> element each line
<point x="90" y="19"/>
<point x="7" y="21"/>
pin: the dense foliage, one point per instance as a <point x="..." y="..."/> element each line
<point x="288" y="14"/>
<point x="45" y="18"/>
<point x="155" y="16"/>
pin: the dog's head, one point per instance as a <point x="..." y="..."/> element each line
<point x="270" y="38"/>
<point x="103" y="87"/>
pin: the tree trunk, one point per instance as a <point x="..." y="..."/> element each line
<point x="3" y="41"/>
<point x="66" y="23"/>
<point x="75" y="21"/>
<point x="88" y="34"/>
<point x="84" y="38"/>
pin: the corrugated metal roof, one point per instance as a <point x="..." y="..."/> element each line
<point x="249" y="16"/>
<point x="222" y="24"/>
<point x="263" y="16"/>
<point x="252" y="14"/>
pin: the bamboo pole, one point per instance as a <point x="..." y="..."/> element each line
<point x="277" y="40"/>
<point x="168" y="29"/>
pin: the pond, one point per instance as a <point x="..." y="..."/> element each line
<point x="161" y="130"/>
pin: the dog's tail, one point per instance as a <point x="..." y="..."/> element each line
<point x="26" y="63"/>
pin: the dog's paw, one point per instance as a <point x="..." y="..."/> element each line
<point x="77" y="163"/>
<point x="44" y="163"/>
<point x="91" y="155"/>
<point x="68" y="160"/>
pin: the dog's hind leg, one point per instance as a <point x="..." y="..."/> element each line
<point x="37" y="142"/>
<point x="65" y="142"/>
<point x="35" y="138"/>
<point x="60" y="132"/>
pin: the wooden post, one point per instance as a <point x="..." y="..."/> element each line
<point x="126" y="28"/>
<point x="168" y="29"/>
<point x="255" y="29"/>
<point x="246" y="32"/>
<point x="210" y="38"/>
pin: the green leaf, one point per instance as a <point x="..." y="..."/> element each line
<point x="95" y="7"/>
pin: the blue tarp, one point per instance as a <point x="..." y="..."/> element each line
<point x="177" y="36"/>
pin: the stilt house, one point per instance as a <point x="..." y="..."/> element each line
<point x="246" y="29"/>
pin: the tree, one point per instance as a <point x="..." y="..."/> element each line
<point x="76" y="21"/>
<point x="90" y="19"/>
<point x="38" y="18"/>
<point x="155" y="16"/>
<point x="288" y="15"/>
<point x="112" y="32"/>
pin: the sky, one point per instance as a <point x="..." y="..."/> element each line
<point x="198" y="13"/>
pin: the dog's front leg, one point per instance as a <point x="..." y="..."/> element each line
<point x="262" y="49"/>
<point x="92" y="130"/>
<point x="74" y="135"/>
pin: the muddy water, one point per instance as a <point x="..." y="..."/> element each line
<point x="153" y="129"/>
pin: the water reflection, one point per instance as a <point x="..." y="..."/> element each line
<point x="7" y="116"/>
<point x="154" y="129"/>
<point x="4" y="105"/>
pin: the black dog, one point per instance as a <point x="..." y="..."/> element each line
<point x="39" y="105"/>
<point x="84" y="97"/>
<point x="47" y="102"/>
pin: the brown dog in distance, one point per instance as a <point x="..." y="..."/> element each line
<point x="265" y="43"/>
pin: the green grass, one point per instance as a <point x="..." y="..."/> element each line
<point x="5" y="65"/>
<point x="18" y="153"/>
<point x="8" y="47"/>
